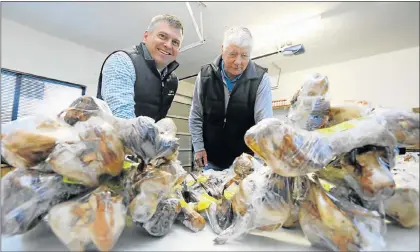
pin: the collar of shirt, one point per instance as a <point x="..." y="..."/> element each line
<point x="229" y="82"/>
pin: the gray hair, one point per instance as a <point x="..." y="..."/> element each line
<point x="172" y="20"/>
<point x="240" y="36"/>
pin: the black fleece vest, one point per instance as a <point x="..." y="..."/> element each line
<point x="223" y="133"/>
<point x="153" y="94"/>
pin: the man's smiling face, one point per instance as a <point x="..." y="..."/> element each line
<point x="163" y="43"/>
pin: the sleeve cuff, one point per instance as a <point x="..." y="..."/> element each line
<point x="199" y="146"/>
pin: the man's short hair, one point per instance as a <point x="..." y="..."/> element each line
<point x="172" y="20"/>
<point x="240" y="36"/>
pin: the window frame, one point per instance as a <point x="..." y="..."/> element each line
<point x="18" y="83"/>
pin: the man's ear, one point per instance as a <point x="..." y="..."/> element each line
<point x="145" y="35"/>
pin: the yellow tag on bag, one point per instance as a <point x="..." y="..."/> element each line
<point x="183" y="203"/>
<point x="341" y="126"/>
<point x="230" y="191"/>
<point x="327" y="187"/>
<point x="205" y="201"/>
<point x="202" y="179"/>
<point x="68" y="180"/>
<point x="337" y="128"/>
<point x="190" y="183"/>
<point x="127" y="165"/>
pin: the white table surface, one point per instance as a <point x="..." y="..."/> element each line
<point x="179" y="238"/>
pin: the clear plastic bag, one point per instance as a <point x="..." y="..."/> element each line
<point x="167" y="126"/>
<point x="345" y="112"/>
<point x="98" y="152"/>
<point x="27" y="142"/>
<point x="175" y="168"/>
<point x="310" y="112"/>
<point x="366" y="170"/>
<point x="27" y="195"/>
<point x="406" y="171"/>
<point x="97" y="218"/>
<point x="263" y="201"/>
<point x="143" y="137"/>
<point x="205" y="193"/>
<point x="149" y="186"/>
<point x="289" y="151"/>
<point x="164" y="217"/>
<point x="86" y="107"/>
<point x="169" y="206"/>
<point x="309" y="107"/>
<point x="315" y="85"/>
<point x="404" y="125"/>
<point x="337" y="225"/>
<point x="293" y="152"/>
<point x="403" y="207"/>
<point x="188" y="216"/>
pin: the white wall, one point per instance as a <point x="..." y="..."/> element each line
<point x="30" y="51"/>
<point x="388" y="80"/>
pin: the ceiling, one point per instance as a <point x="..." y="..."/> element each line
<point x="342" y="30"/>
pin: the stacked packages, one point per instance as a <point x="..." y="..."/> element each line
<point x="333" y="170"/>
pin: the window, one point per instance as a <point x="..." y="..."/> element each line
<point x="25" y="94"/>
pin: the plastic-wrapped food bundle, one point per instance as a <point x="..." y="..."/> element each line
<point x="175" y="169"/>
<point x="366" y="170"/>
<point x="97" y="218"/>
<point x="346" y="112"/>
<point x="209" y="184"/>
<point x="205" y="193"/>
<point x="27" y="142"/>
<point x="338" y="225"/>
<point x="287" y="150"/>
<point x="98" y="152"/>
<point x="167" y="126"/>
<point x="143" y="137"/>
<point x="27" y="195"/>
<point x="404" y="125"/>
<point x="315" y="85"/>
<point x="243" y="166"/>
<point x="309" y="108"/>
<point x="403" y="207"/>
<point x="263" y="200"/>
<point x="406" y="171"/>
<point x="164" y="217"/>
<point x="298" y="189"/>
<point x="149" y="186"/>
<point x="168" y="207"/>
<point x="219" y="213"/>
<point x="188" y="216"/>
<point x="309" y="113"/>
<point x="293" y="152"/>
<point x="86" y="107"/>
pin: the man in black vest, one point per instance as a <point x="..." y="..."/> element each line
<point x="141" y="81"/>
<point x="231" y="95"/>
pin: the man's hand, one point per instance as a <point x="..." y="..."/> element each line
<point x="200" y="158"/>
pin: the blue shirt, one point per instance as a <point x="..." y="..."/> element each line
<point x="229" y="82"/>
<point x="118" y="78"/>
